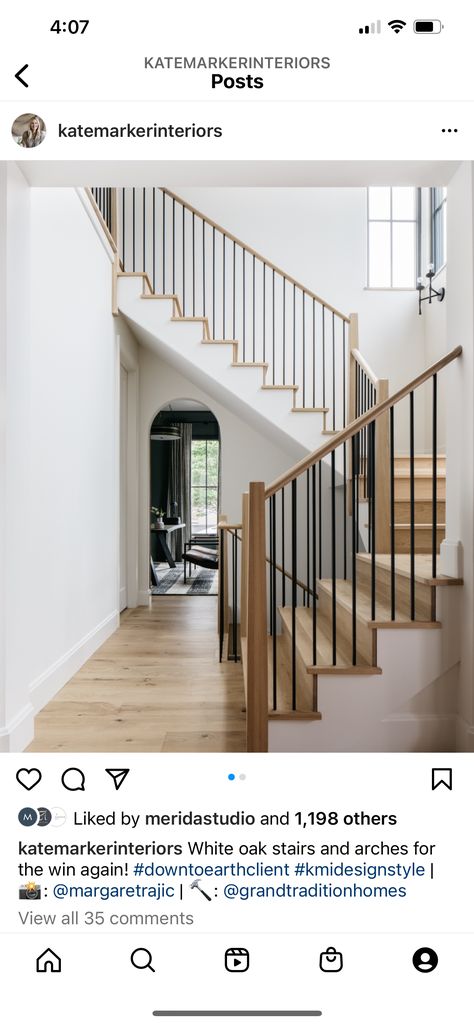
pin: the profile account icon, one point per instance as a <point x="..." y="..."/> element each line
<point x="425" y="960"/>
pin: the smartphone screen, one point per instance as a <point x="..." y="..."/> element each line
<point x="236" y="514"/>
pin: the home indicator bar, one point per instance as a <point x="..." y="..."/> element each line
<point x="237" y="1014"/>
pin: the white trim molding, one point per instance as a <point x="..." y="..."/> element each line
<point x="19" y="732"/>
<point x="46" y="686"/>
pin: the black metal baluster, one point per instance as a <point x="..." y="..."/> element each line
<point x="204" y="268"/>
<point x="344" y="371"/>
<point x="243" y="305"/>
<point x="304" y="352"/>
<point x="144" y="234"/>
<point x="264" y="311"/>
<point x="253" y="308"/>
<point x="354" y="550"/>
<point x="284" y="331"/>
<point x="213" y="282"/>
<point x="283" y="578"/>
<point x="133" y="230"/>
<point x="392" y="515"/>
<point x="271" y="532"/>
<point x="173" y="246"/>
<point x="320" y="519"/>
<point x="333" y="375"/>
<point x="313" y="552"/>
<point x="194" y="264"/>
<point x="323" y="351"/>
<point x="412" y="506"/>
<point x="333" y="555"/>
<point x="294" y="571"/>
<point x="223" y="286"/>
<point x="164" y="242"/>
<point x="358" y="441"/>
<point x="306" y="593"/>
<point x="123" y="229"/>
<point x="233" y="291"/>
<point x="234" y="581"/>
<point x="184" y="262"/>
<point x="154" y="237"/>
<point x="372" y="503"/>
<point x="434" y="539"/>
<point x="221" y="593"/>
<point x="344" y="520"/>
<point x="274" y="607"/>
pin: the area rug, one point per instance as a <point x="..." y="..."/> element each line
<point x="202" y="581"/>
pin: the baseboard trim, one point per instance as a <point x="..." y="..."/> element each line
<point x="46" y="686"/>
<point x="19" y="732"/>
<point x="143" y="598"/>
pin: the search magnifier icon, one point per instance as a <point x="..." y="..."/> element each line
<point x="141" y="958"/>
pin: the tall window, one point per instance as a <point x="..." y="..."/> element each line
<point x="392" y="236"/>
<point x="204" y="486"/>
<point x="438" y="227"/>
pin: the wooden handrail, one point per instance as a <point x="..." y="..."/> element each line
<point x="258" y="256"/>
<point x="365" y="367"/>
<point x="357" y="425"/>
<point x="229" y="526"/>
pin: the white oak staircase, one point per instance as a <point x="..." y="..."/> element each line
<point x="323" y="615"/>
<point x="325" y="625"/>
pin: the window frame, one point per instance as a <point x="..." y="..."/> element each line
<point x="416" y="220"/>
<point x="206" y="487"/>
<point x="436" y="217"/>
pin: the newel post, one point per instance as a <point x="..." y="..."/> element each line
<point x="257" y="660"/>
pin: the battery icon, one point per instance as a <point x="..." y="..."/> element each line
<point x="428" y="28"/>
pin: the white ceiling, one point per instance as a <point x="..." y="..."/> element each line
<point x="303" y="174"/>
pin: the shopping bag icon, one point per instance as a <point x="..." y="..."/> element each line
<point x="330" y="960"/>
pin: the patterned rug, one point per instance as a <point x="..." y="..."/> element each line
<point x="202" y="581"/>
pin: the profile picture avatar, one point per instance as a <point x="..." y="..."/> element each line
<point x="28" y="130"/>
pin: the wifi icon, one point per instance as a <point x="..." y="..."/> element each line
<point x="396" y="25"/>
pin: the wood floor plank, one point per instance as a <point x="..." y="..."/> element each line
<point x="155" y="685"/>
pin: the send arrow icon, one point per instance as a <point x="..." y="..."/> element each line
<point x="19" y="74"/>
<point x="118" y="776"/>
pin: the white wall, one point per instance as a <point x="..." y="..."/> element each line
<point x="246" y="455"/>
<point x="61" y="457"/>
<point x="460" y="422"/>
<point x="17" y="501"/>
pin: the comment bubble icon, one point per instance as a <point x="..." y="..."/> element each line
<point x="73" y="779"/>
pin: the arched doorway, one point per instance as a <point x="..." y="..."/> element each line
<point x="184" y="496"/>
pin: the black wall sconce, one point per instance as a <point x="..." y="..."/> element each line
<point x="432" y="292"/>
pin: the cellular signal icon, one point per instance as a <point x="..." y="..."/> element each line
<point x="396" y="25"/>
<point x="374" y="28"/>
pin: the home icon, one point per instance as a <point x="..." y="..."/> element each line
<point x="48" y="961"/>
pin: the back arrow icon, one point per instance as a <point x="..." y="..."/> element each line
<point x="19" y="74"/>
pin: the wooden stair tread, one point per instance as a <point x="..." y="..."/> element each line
<point x="263" y="365"/>
<point x="280" y="387"/>
<point x="383" y="618"/>
<point x="420" y="472"/>
<point x="324" y="659"/>
<point x="310" y="409"/>
<point x="423" y="567"/>
<point x="419" y="526"/>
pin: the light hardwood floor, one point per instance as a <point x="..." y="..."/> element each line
<point x="156" y="685"/>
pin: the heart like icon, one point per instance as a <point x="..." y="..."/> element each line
<point x="28" y="778"/>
